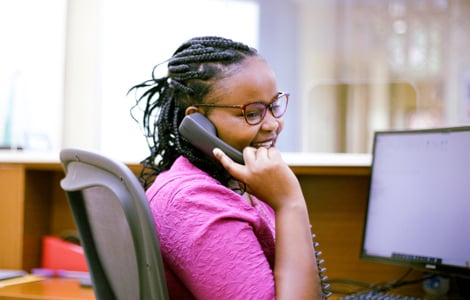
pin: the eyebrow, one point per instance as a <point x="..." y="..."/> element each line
<point x="240" y="105"/>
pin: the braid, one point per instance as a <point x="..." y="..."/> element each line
<point x="192" y="70"/>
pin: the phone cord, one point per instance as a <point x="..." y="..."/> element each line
<point x="325" y="286"/>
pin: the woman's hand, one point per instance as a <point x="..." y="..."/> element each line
<point x="266" y="176"/>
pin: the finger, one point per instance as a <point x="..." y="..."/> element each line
<point x="221" y="156"/>
<point x="261" y="153"/>
<point x="233" y="168"/>
<point x="274" y="153"/>
<point x="249" y="153"/>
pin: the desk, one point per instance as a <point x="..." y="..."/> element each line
<point x="48" y="289"/>
<point x="335" y="188"/>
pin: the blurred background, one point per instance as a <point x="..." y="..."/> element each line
<point x="351" y="66"/>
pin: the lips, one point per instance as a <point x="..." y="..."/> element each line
<point x="267" y="144"/>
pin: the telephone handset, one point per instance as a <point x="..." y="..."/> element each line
<point x="201" y="133"/>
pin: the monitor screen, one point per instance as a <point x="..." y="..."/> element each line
<point x="418" y="210"/>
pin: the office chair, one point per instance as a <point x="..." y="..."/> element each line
<point x="115" y="226"/>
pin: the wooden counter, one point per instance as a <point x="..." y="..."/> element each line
<point x="48" y="289"/>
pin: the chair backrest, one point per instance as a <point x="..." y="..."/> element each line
<point x="115" y="226"/>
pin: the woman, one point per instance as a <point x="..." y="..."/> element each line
<point x="227" y="230"/>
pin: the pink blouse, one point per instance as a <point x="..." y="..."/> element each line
<point x="215" y="244"/>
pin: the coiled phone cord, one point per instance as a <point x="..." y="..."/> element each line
<point x="325" y="286"/>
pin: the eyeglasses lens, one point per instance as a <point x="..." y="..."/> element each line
<point x="255" y="112"/>
<point x="279" y="106"/>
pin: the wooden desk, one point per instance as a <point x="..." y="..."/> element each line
<point x="335" y="187"/>
<point x="48" y="289"/>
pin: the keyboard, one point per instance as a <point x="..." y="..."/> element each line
<point x="376" y="295"/>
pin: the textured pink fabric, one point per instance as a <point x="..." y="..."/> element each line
<point x="215" y="245"/>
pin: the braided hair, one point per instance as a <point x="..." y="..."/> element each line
<point x="192" y="71"/>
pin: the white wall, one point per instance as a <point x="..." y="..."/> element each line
<point x="81" y="102"/>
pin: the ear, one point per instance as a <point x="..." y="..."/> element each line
<point x="190" y="110"/>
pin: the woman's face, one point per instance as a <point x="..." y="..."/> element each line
<point x="252" y="81"/>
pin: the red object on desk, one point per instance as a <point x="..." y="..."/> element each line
<point x="58" y="254"/>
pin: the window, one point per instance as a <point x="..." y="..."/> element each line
<point x="391" y="64"/>
<point x="32" y="35"/>
<point x="136" y="35"/>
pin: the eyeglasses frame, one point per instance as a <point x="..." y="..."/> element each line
<point x="243" y="106"/>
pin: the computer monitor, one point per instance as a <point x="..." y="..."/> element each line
<point x="418" y="210"/>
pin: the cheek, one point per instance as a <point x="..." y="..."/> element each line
<point x="238" y="136"/>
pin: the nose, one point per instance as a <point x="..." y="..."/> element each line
<point x="270" y="123"/>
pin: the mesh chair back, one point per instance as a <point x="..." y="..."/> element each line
<point x="115" y="225"/>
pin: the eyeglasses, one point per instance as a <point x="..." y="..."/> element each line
<point x="255" y="112"/>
